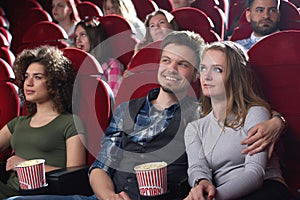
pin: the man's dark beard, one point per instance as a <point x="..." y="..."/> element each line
<point x="264" y="31"/>
<point x="167" y="90"/>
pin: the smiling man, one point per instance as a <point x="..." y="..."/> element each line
<point x="151" y="128"/>
<point x="264" y="17"/>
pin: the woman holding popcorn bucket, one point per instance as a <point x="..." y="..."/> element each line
<point x="49" y="130"/>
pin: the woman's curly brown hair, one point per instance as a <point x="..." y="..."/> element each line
<point x="58" y="71"/>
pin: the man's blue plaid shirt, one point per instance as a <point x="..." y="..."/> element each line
<point x="149" y="123"/>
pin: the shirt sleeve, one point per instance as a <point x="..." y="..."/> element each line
<point x="198" y="165"/>
<point x="74" y="126"/>
<point x="110" y="152"/>
<point x="115" y="75"/>
<point x="11" y="124"/>
<point x="252" y="174"/>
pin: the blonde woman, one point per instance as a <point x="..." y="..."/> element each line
<point x="230" y="108"/>
<point x="65" y="13"/>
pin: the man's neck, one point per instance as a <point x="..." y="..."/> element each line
<point x="166" y="99"/>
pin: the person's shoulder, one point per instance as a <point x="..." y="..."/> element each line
<point x="22" y="118"/>
<point x="204" y="119"/>
<point x="243" y="41"/>
<point x="257" y="109"/>
<point x="18" y="121"/>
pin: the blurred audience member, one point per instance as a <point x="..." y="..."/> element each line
<point x="158" y="24"/>
<point x="45" y="78"/>
<point x="90" y="37"/>
<point x="181" y="3"/>
<point x="125" y="8"/>
<point x="65" y="13"/>
<point x="264" y="17"/>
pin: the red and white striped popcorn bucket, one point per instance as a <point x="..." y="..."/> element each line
<point x="31" y="174"/>
<point x="152" y="178"/>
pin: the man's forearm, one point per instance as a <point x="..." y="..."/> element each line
<point x="101" y="184"/>
<point x="281" y="120"/>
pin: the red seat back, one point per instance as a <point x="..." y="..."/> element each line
<point x="195" y="20"/>
<point x="147" y="59"/>
<point x="24" y="22"/>
<point x="4" y="22"/>
<point x="6" y="33"/>
<point x="43" y="33"/>
<point x="6" y="72"/>
<point x="217" y="16"/>
<point x="143" y="8"/>
<point x="289" y="16"/>
<point x="14" y="8"/>
<point x="7" y="55"/>
<point x="3" y="41"/>
<point x="119" y="34"/>
<point x="164" y="4"/>
<point x="9" y="101"/>
<point x="88" y="9"/>
<point x="243" y="30"/>
<point x="236" y="8"/>
<point x="295" y="2"/>
<point x="277" y="68"/>
<point x="92" y="98"/>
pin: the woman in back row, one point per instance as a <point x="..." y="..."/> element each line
<point x="91" y="37"/>
<point x="125" y="9"/>
<point x="65" y="13"/>
<point x="158" y="24"/>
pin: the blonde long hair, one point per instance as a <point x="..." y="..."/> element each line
<point x="239" y="85"/>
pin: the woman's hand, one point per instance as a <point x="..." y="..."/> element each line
<point x="203" y="189"/>
<point x="12" y="162"/>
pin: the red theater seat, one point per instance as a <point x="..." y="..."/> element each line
<point x="277" y="68"/>
<point x="92" y="101"/>
<point x="195" y="20"/>
<point x="164" y="4"/>
<point x="9" y="108"/>
<point x="7" y="55"/>
<point x="43" y="33"/>
<point x="216" y="14"/>
<point x="143" y="8"/>
<point x="25" y="20"/>
<point x="119" y="34"/>
<point x="88" y="9"/>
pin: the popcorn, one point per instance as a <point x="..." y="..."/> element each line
<point x="152" y="178"/>
<point x="31" y="174"/>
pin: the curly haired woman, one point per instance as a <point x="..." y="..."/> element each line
<point x="49" y="131"/>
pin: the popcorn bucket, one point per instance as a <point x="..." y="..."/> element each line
<point x="152" y="178"/>
<point x="31" y="174"/>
